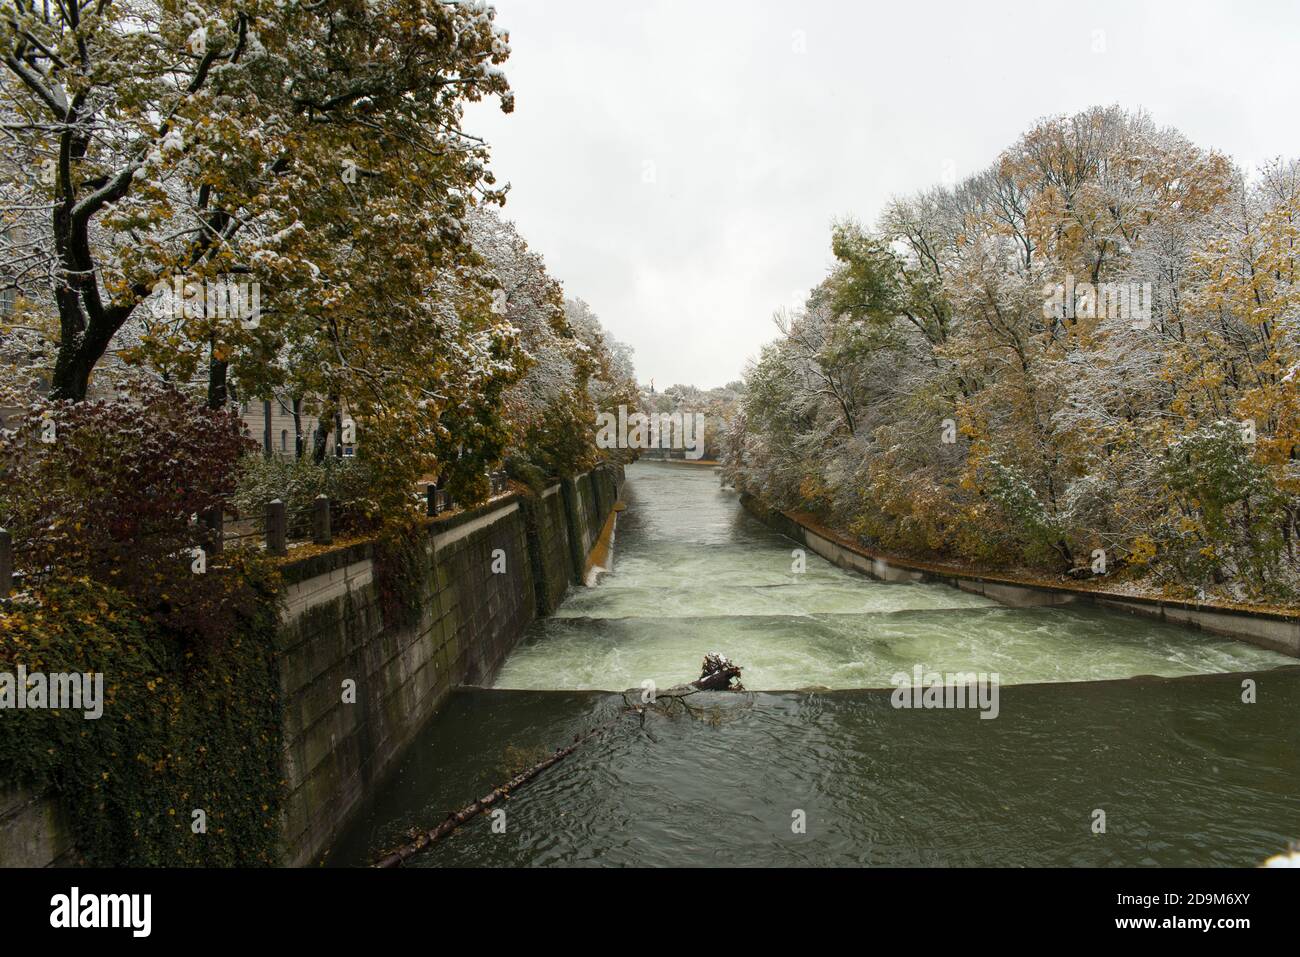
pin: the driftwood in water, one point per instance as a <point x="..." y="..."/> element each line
<point x="454" y="820"/>
<point x="716" y="674"/>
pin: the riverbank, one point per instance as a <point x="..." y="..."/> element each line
<point x="1277" y="629"/>
<point x="491" y="572"/>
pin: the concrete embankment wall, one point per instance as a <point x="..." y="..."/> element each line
<point x="553" y="561"/>
<point x="1278" y="631"/>
<point x="33" y="832"/>
<point x="335" y="632"/>
<point x="361" y="675"/>
<point x="493" y="571"/>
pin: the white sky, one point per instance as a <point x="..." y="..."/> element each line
<point x="757" y="147"/>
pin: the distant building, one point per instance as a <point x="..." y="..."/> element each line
<point x="272" y="425"/>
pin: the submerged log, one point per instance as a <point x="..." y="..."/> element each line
<point x="716" y="674"/>
<point x="421" y="841"/>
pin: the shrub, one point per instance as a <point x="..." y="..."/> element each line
<point x="101" y="497"/>
<point x="1226" y="514"/>
<point x="109" y="490"/>
<point x="1040" y="533"/>
<point x="180" y="730"/>
<point x="298" y="482"/>
<point x="522" y="470"/>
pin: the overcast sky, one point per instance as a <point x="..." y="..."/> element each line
<point x="679" y="162"/>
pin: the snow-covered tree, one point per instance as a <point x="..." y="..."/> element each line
<point x="270" y="141"/>
<point x="1091" y="345"/>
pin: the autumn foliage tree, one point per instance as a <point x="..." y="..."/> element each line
<point x="571" y="368"/>
<point x="314" y="149"/>
<point x="943" y="393"/>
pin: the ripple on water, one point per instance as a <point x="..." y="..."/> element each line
<point x="878" y="785"/>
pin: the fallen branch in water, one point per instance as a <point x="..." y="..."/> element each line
<point x="716" y="674"/>
<point x="454" y="820"/>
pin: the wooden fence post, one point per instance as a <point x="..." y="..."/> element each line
<point x="6" y="563"/>
<point x="320" y="524"/>
<point x="277" y="530"/>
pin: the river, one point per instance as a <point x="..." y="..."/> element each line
<point x="1097" y="712"/>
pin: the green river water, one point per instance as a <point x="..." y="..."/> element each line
<point x="1096" y="711"/>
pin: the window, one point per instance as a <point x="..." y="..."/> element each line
<point x="284" y="440"/>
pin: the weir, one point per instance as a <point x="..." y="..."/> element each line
<point x="694" y="572"/>
<point x="1096" y="709"/>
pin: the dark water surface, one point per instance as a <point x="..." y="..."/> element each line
<point x="1186" y="773"/>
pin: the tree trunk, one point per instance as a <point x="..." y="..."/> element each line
<point x="86" y="323"/>
<point x="71" y="376"/>
<point x="297" y="427"/>
<point x="80" y="347"/>
<point x="320" y="439"/>
<point x="218" y="393"/>
<point x="267" y="440"/>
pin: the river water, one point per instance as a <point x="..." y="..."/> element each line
<point x="1097" y="712"/>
